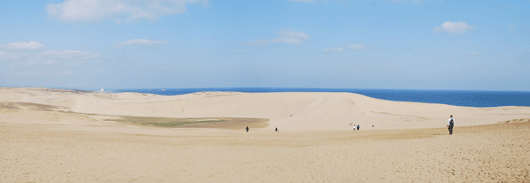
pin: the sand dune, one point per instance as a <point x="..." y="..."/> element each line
<point x="73" y="136"/>
<point x="287" y="111"/>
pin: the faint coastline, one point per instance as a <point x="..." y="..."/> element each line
<point x="466" y="98"/>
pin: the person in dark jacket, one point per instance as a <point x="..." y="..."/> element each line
<point x="247" y="129"/>
<point x="450" y="124"/>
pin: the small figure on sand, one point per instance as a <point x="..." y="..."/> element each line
<point x="276" y="129"/>
<point x="450" y="124"/>
<point x="358" y="126"/>
<point x="354" y="127"/>
<point x="247" y="129"/>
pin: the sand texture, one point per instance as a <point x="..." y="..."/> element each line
<point x="49" y="135"/>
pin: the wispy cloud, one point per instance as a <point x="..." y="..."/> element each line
<point x="23" y="46"/>
<point x="332" y="50"/>
<point x="55" y="57"/>
<point x="453" y="27"/>
<point x="291" y="37"/>
<point x="286" y="36"/>
<point x="10" y="56"/>
<point x="49" y="57"/>
<point x="18" y="52"/>
<point x="356" y="47"/>
<point x="511" y="28"/>
<point x="93" y="10"/>
<point x="67" y="54"/>
<point x="287" y="40"/>
<point x="142" y="42"/>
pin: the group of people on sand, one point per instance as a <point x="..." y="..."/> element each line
<point x="358" y="127"/>
<point x="450" y="125"/>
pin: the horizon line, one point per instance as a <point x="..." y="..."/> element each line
<point x="318" y="88"/>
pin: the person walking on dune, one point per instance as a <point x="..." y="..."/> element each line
<point x="358" y="126"/>
<point x="450" y="124"/>
<point x="247" y="129"/>
<point x="354" y="127"/>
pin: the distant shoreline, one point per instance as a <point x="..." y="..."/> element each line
<point x="465" y="98"/>
<point x="287" y="89"/>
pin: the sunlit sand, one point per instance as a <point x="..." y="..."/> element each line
<point x="75" y="136"/>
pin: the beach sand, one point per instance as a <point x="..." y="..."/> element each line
<point x="68" y="136"/>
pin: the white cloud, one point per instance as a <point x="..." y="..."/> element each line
<point x="473" y="53"/>
<point x="291" y="37"/>
<point x="356" y="47"/>
<point x="287" y="40"/>
<point x="286" y="36"/>
<point x="453" y="27"/>
<point x="144" y="42"/>
<point x="67" y="54"/>
<point x="93" y="10"/>
<point x="242" y="51"/>
<point x="49" y="57"/>
<point x="511" y="28"/>
<point x="20" y="46"/>
<point x="10" y="56"/>
<point x="332" y="50"/>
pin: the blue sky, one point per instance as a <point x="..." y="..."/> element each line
<point x="453" y="45"/>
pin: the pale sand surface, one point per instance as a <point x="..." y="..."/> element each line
<point x="39" y="143"/>
<point x="310" y="111"/>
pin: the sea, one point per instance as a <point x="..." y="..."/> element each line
<point x="467" y="98"/>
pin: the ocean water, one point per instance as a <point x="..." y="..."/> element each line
<point x="469" y="98"/>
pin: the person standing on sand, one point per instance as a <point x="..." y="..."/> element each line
<point x="354" y="127"/>
<point x="358" y="126"/>
<point x="247" y="129"/>
<point x="276" y="129"/>
<point x="450" y="124"/>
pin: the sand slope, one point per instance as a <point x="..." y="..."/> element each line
<point x="473" y="154"/>
<point x="39" y="143"/>
<point x="310" y="111"/>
